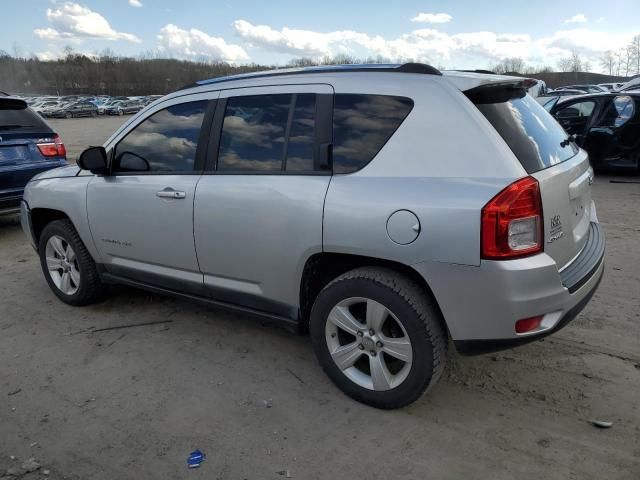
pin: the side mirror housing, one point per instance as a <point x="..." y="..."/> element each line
<point x="94" y="159"/>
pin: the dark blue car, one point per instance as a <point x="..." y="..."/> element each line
<point x="27" y="146"/>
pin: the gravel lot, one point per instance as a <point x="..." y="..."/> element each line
<point x="132" y="403"/>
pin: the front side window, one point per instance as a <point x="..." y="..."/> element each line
<point x="268" y="133"/>
<point x="580" y="109"/>
<point x="165" y="142"/>
<point x="362" y="124"/>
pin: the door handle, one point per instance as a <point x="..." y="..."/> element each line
<point x="171" y="193"/>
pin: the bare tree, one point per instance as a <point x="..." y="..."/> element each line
<point x="510" y="64"/>
<point x="608" y="62"/>
<point x="577" y="63"/>
<point x="627" y="55"/>
<point x="635" y="47"/>
<point x="565" y="64"/>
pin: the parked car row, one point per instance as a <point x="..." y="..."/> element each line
<point x="86" y="106"/>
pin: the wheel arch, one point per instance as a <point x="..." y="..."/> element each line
<point x="322" y="268"/>
<point x="41" y="217"/>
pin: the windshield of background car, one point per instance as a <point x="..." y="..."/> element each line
<point x="534" y="136"/>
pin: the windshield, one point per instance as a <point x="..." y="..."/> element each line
<point x="536" y="139"/>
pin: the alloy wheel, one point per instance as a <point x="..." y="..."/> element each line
<point x="368" y="343"/>
<point x="62" y="265"/>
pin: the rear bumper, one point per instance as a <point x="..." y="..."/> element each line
<point x="482" y="304"/>
<point x="10" y="204"/>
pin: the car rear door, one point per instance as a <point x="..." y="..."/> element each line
<point x="258" y="209"/>
<point x="141" y="216"/>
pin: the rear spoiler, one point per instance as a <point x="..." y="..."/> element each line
<point x="466" y="81"/>
<point x="499" y="92"/>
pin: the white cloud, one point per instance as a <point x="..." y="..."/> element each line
<point x="72" y="21"/>
<point x="427" y="45"/>
<point x="135" y="3"/>
<point x="194" y="44"/>
<point x="430" y="45"/>
<point x="579" y="18"/>
<point x="584" y="40"/>
<point x="432" y="18"/>
<point x="48" y="55"/>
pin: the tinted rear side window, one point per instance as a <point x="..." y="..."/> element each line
<point x="362" y="124"/>
<point x="534" y="136"/>
<point x="14" y="115"/>
<point x="268" y="133"/>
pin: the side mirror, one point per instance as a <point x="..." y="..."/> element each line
<point x="94" y="159"/>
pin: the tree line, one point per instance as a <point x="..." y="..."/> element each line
<point x="625" y="61"/>
<point x="109" y="74"/>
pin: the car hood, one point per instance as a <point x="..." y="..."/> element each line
<point x="61" y="172"/>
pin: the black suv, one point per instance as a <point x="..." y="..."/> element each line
<point x="78" y="109"/>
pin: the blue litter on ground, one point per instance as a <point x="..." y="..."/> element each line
<point x="195" y="459"/>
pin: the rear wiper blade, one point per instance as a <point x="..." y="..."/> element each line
<point x="570" y="139"/>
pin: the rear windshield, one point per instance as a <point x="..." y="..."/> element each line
<point x="534" y="136"/>
<point x="14" y="115"/>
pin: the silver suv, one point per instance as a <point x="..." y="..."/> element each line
<point x="383" y="209"/>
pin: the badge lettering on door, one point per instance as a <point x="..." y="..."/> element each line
<point x="116" y="242"/>
<point x="555" y="232"/>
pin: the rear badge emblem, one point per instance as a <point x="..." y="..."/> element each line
<point x="555" y="233"/>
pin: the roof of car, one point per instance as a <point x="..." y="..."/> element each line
<point x="367" y="67"/>
<point x="563" y="99"/>
<point x="464" y="80"/>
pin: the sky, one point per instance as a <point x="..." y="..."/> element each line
<point x="449" y="34"/>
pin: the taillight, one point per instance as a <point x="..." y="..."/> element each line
<point x="53" y="149"/>
<point x="512" y="222"/>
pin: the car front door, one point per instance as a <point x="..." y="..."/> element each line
<point x="575" y="116"/>
<point x="141" y="215"/>
<point x="614" y="139"/>
<point x="258" y="208"/>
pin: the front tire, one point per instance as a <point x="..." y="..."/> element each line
<point x="379" y="337"/>
<point x="67" y="264"/>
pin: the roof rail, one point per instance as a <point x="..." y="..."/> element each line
<point x="365" y="67"/>
<point x="479" y="70"/>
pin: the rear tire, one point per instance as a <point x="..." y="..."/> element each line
<point x="379" y="337"/>
<point x="67" y="265"/>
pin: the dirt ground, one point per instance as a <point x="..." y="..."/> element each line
<point x="132" y="403"/>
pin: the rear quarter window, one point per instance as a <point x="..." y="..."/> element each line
<point x="535" y="137"/>
<point x="362" y="124"/>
